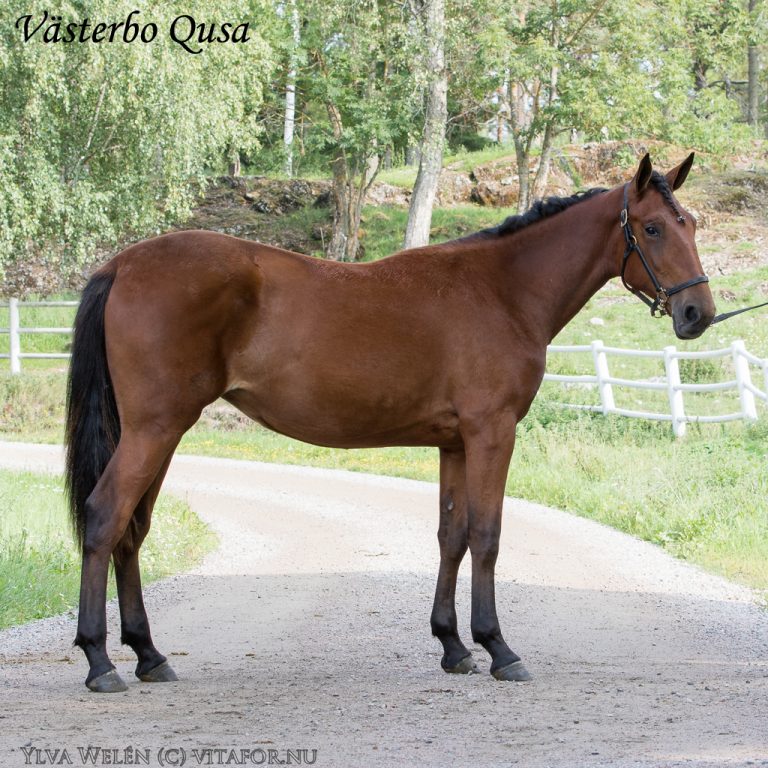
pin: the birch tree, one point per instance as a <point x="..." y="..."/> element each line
<point x="103" y="142"/>
<point x="289" y="121"/>
<point x="429" y="17"/>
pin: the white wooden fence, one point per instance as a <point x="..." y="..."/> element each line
<point x="601" y="379"/>
<point x="15" y="331"/>
<point x="670" y="383"/>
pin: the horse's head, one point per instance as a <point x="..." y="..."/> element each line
<point x="661" y="264"/>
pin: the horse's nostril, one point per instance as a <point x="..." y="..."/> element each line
<point x="692" y="314"/>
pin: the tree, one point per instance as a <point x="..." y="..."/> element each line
<point x="290" y="87"/>
<point x="700" y="73"/>
<point x="429" y="17"/>
<point x="571" y="65"/>
<point x="354" y="51"/>
<point x="101" y="141"/>
<point x="753" y="67"/>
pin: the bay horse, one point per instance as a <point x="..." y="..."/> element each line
<point x="439" y="346"/>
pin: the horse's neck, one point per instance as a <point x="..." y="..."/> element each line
<point x="556" y="266"/>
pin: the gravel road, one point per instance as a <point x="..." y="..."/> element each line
<point x="308" y="629"/>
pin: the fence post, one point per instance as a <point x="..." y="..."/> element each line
<point x="601" y="370"/>
<point x="743" y="378"/>
<point x="765" y="376"/>
<point x="15" y="339"/>
<point x="676" y="405"/>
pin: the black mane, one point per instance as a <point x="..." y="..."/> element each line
<point x="549" y="206"/>
<point x="541" y="209"/>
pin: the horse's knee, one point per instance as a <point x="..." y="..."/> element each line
<point x="484" y="546"/>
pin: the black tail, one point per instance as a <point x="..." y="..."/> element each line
<point x="93" y="424"/>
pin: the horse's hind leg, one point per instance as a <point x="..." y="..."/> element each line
<point x="452" y="537"/>
<point x="129" y="475"/>
<point x="152" y="666"/>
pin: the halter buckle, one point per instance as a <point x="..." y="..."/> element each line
<point x="659" y="307"/>
<point x="623" y="218"/>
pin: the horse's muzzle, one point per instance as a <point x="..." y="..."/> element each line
<point x="690" y="319"/>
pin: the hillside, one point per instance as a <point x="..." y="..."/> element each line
<point x="730" y="203"/>
<point x="728" y="197"/>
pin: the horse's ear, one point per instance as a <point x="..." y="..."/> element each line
<point x="643" y="175"/>
<point x="679" y="173"/>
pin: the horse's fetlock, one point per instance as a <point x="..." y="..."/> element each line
<point x="441" y="627"/>
<point x="485" y="633"/>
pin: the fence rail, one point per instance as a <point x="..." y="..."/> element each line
<point x="601" y="379"/>
<point x="15" y="330"/>
<point x="671" y="382"/>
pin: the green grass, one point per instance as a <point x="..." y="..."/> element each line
<point x="467" y="161"/>
<point x="383" y="226"/>
<point x="39" y="563"/>
<point x="403" y="176"/>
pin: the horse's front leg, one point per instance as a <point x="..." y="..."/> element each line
<point x="452" y="537"/>
<point x="489" y="451"/>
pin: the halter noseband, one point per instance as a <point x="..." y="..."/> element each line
<point x="659" y="304"/>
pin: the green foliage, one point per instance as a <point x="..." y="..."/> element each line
<point x="97" y="140"/>
<point x="100" y="143"/>
<point x="353" y="53"/>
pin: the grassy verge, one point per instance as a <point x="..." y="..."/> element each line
<point x="701" y="498"/>
<point x="39" y="564"/>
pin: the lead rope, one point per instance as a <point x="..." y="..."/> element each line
<point x="733" y="313"/>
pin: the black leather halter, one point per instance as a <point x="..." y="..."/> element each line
<point x="659" y="304"/>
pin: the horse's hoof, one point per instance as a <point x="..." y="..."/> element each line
<point x="162" y="673"/>
<point x="466" y="666"/>
<point x="515" y="672"/>
<point x="109" y="682"/>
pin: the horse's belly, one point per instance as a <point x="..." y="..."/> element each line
<point x="354" y="423"/>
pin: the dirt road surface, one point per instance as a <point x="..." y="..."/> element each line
<point x="308" y="629"/>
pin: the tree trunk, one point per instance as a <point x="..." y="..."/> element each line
<point x="753" y="76"/>
<point x="344" y="237"/>
<point x="234" y="166"/>
<point x="545" y="163"/>
<point x="522" y="144"/>
<point x="411" y="155"/>
<point x="348" y="194"/>
<point x="433" y="138"/>
<point x="352" y="178"/>
<point x="501" y="114"/>
<point x="523" y="177"/>
<point x="290" y="91"/>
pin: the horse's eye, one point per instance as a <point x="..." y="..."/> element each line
<point x="652" y="231"/>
